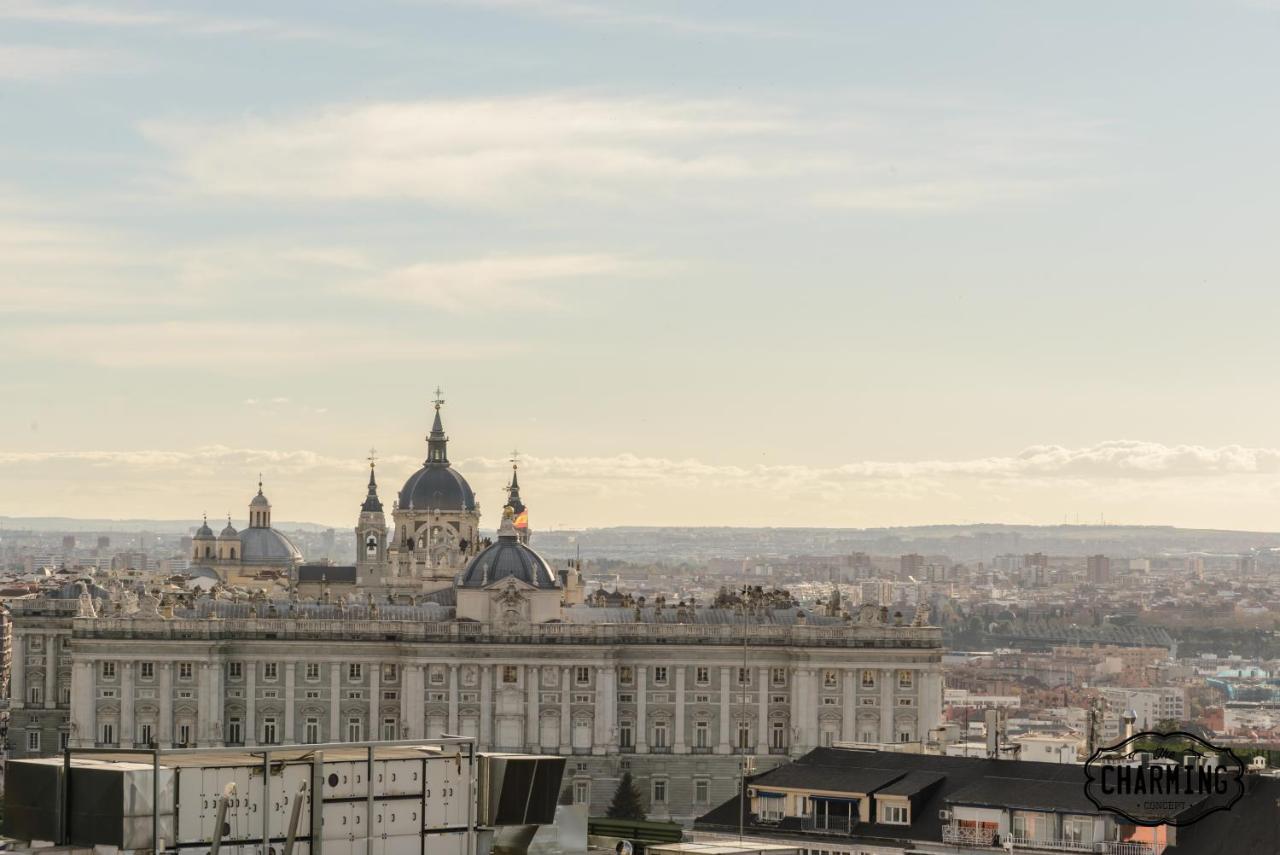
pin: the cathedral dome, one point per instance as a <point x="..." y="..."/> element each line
<point x="507" y="558"/>
<point x="438" y="488"/>
<point x="204" y="532"/>
<point x="267" y="546"/>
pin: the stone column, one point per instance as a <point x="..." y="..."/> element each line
<point x="251" y="703"/>
<point x="406" y="687"/>
<point x="929" y="701"/>
<point x="164" y="735"/>
<point x="726" y="692"/>
<point x="335" y="703"/>
<point x="680" y="747"/>
<point x="217" y="703"/>
<point x="566" y="722"/>
<point x="886" y="706"/>
<point x="50" y="671"/>
<point x="532" y="737"/>
<point x="762" y="711"/>
<point x="375" y="702"/>
<point x="454" y="689"/>
<point x="18" y="672"/>
<point x="204" y="702"/>
<point x="418" y="702"/>
<point x="849" y="706"/>
<point x="795" y="714"/>
<point x="290" y="675"/>
<point x="641" y="729"/>
<point x="486" y="707"/>
<point x="809" y="701"/>
<point x="128" y="730"/>
<point x="83" y="703"/>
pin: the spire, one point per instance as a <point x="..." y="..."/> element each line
<point x="513" y="489"/>
<point x="372" y="504"/>
<point x="259" y="483"/>
<point x="437" y="442"/>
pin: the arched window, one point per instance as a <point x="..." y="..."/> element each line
<point x="233" y="553"/>
<point x="208" y="552"/>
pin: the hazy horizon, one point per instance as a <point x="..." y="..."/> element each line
<point x="835" y="265"/>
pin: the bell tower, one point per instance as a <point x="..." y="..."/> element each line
<point x="371" y="533"/>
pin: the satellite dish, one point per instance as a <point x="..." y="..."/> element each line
<point x="624" y="847"/>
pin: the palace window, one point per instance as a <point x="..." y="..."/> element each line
<point x="35" y="694"/>
<point x="313" y="695"/>
<point x="660" y="675"/>
<point x="744" y="676"/>
<point x="145" y="733"/>
<point x="868" y="678"/>
<point x="701" y="791"/>
<point x="744" y="734"/>
<point x="582" y="675"/>
<point x="659" y="791"/>
<point x="778" y="676"/>
<point x="313" y="671"/>
<point x="147" y="670"/>
<point x="108" y="733"/>
<point x="109" y="670"/>
<point x="33" y="740"/>
<point x="355" y="671"/>
<point x="702" y="699"/>
<point x="510" y="675"/>
<point x="184" y="670"/>
<point x="437" y="676"/>
<point x="626" y="675"/>
<point x="269" y="730"/>
<point x="235" y="670"/>
<point x="184" y="734"/>
<point x="389" y="673"/>
<point x="270" y="670"/>
<point x="830" y="679"/>
<point x="311" y="730"/>
<point x="234" y="734"/>
<point x="389" y="729"/>
<point x="660" y="734"/>
<point x="624" y="734"/>
<point x="778" y="735"/>
<point x="702" y="676"/>
<point x="701" y="734"/>
<point x="905" y="679"/>
<point x="581" y="789"/>
<point x="355" y="730"/>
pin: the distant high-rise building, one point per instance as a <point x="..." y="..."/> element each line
<point x="910" y="565"/>
<point x="1099" y="569"/>
<point x="104" y="542"/>
<point x="68" y="543"/>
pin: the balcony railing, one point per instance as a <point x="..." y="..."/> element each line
<point x="963" y="835"/>
<point x="828" y="824"/>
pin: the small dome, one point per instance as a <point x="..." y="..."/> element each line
<point x="508" y="558"/>
<point x="229" y="532"/>
<point x="259" y="501"/>
<point x="204" y="532"/>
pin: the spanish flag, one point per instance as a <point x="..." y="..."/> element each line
<point x="522" y="521"/>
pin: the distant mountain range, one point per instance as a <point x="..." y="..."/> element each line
<point x="980" y="542"/>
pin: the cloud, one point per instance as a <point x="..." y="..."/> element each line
<point x="485" y="283"/>
<point x="518" y="151"/>
<point x="615" y="16"/>
<point x="1143" y="480"/>
<point x="43" y="62"/>
<point x="126" y="16"/>
<point x="230" y="345"/>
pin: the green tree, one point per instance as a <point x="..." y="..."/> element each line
<point x="626" y="802"/>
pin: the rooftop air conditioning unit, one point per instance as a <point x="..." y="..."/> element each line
<point x="751" y="792"/>
<point x="944" y="815"/>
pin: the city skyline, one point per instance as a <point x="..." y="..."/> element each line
<point x="725" y="264"/>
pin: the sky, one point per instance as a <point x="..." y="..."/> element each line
<point x="714" y="262"/>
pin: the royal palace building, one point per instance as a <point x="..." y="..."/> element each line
<point x="444" y="632"/>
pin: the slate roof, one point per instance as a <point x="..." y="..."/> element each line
<point x="1253" y="825"/>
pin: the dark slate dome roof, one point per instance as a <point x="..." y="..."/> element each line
<point x="267" y="546"/>
<point x="508" y="558"/>
<point x="204" y="530"/>
<point x="437" y="487"/>
<point x="229" y="532"/>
